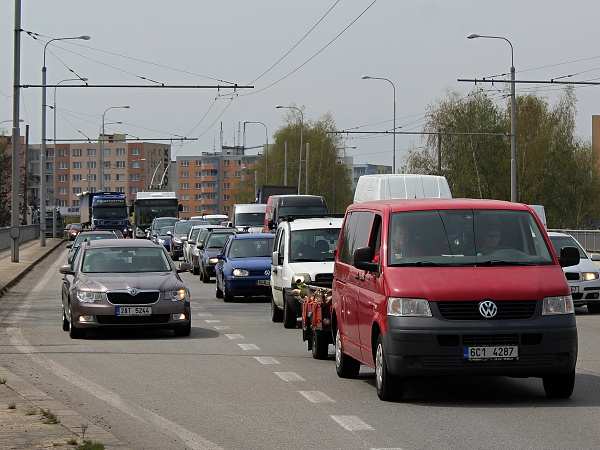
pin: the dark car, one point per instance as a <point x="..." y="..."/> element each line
<point x="244" y="267"/>
<point x="72" y="230"/>
<point x="160" y="222"/>
<point x="194" y="253"/>
<point x="180" y="234"/>
<point x="164" y="237"/>
<point x="85" y="236"/>
<point x="124" y="283"/>
<point x="210" y="249"/>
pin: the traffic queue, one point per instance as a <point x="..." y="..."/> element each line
<point x="409" y="282"/>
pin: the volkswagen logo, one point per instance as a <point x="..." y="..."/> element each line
<point x="133" y="291"/>
<point x="267" y="272"/>
<point x="488" y="309"/>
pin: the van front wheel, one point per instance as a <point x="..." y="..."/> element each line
<point x="388" y="386"/>
<point x="559" y="386"/>
<point x="345" y="366"/>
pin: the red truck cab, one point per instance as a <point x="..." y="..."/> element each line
<point x="445" y="287"/>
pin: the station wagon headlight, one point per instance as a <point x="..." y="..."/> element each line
<point x="213" y="260"/>
<point x="408" y="307"/>
<point x="240" y="273"/>
<point x="179" y="295"/>
<point x="91" y="296"/>
<point x="589" y="276"/>
<point x="558" y="305"/>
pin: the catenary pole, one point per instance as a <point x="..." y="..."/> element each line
<point x="14" y="219"/>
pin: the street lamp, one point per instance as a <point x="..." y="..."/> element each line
<point x="43" y="146"/>
<point x="367" y="77"/>
<point x="514" y="191"/>
<point x="301" y="128"/>
<point x="100" y="141"/>
<point x="266" y="144"/>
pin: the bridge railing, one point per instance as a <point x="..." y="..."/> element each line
<point x="27" y="233"/>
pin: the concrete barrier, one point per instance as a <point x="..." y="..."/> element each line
<point x="28" y="233"/>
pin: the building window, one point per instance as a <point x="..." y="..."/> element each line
<point x="64" y="165"/>
<point x="120" y="152"/>
<point x="133" y="190"/>
<point x="185" y="197"/>
<point x="186" y="208"/>
<point x="120" y="164"/>
<point x="134" y="177"/>
<point x="76" y="152"/>
<point x="77" y="177"/>
<point x="62" y="191"/>
<point x="184" y="186"/>
<point x="50" y="153"/>
<point x="91" y="164"/>
<point x="91" y="177"/>
<point x="198" y="162"/>
<point x="62" y="178"/>
<point x="119" y="177"/>
<point x="226" y="186"/>
<point x="120" y="189"/>
<point x="238" y="174"/>
<point x="62" y="152"/>
<point x="75" y="203"/>
<point x="106" y="164"/>
<point x="198" y="185"/>
<point x="199" y="208"/>
<point x="106" y="152"/>
<point x="185" y="163"/>
<point x="225" y="197"/>
<point x="91" y="152"/>
<point x="135" y="151"/>
<point x="107" y="177"/>
<point x="198" y="174"/>
<point x="135" y="165"/>
<point x="76" y="190"/>
<point x="49" y="166"/>
<point x="226" y="162"/>
<point x="185" y="174"/>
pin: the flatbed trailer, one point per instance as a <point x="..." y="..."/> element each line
<point x="316" y="318"/>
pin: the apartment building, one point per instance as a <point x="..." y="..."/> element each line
<point x="205" y="182"/>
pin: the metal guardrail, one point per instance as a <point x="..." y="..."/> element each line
<point x="589" y="239"/>
<point x="27" y="233"/>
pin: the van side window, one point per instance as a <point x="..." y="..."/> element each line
<point x="281" y="247"/>
<point x="356" y="234"/>
<point x="345" y="240"/>
<point x="375" y="240"/>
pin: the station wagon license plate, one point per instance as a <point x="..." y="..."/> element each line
<point x="574" y="289"/>
<point x="133" y="310"/>
<point x="263" y="283"/>
<point x="500" y="352"/>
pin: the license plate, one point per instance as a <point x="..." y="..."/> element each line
<point x="263" y="282"/>
<point x="574" y="289"/>
<point x="503" y="352"/>
<point x="133" y="310"/>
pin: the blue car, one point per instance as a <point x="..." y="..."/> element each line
<point x="164" y="237"/>
<point x="244" y="267"/>
<point x="210" y="249"/>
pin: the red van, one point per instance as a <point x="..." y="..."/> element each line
<point x="442" y="287"/>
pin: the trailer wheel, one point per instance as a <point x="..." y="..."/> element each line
<point x="320" y="345"/>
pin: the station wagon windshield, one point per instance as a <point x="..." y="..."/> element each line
<point x="466" y="237"/>
<point x="559" y="242"/>
<point x="251" y="248"/>
<point x="124" y="260"/>
<point x="217" y="240"/>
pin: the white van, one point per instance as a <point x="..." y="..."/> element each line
<point x="303" y="249"/>
<point x="250" y="215"/>
<point x="400" y="186"/>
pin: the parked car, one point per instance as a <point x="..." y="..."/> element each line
<point x="85" y="236"/>
<point x="180" y="234"/>
<point x="583" y="278"/>
<point x="249" y="217"/>
<point x="400" y="186"/>
<point x="437" y="287"/>
<point x="124" y="283"/>
<point x="210" y="248"/>
<point x="72" y="230"/>
<point x="303" y="250"/>
<point x="194" y="252"/>
<point x="244" y="267"/>
<point x="286" y="206"/>
<point x="164" y="237"/>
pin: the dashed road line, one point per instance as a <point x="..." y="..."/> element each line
<point x="316" y="397"/>
<point x="235" y="336"/>
<point x="213" y="321"/>
<point x="249" y="346"/>
<point x="352" y="423"/>
<point x="290" y="377"/>
<point x="204" y="314"/>
<point x="266" y="360"/>
<point x="221" y="327"/>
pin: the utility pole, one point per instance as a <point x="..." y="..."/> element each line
<point x="25" y="208"/>
<point x="514" y="193"/>
<point x="14" y="218"/>
<point x="285" y="163"/>
<point x="306" y="162"/>
<point x="439" y="153"/>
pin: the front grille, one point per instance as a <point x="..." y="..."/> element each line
<point x="124" y="298"/>
<point x="577" y="296"/>
<point x="482" y="340"/>
<point x="133" y="320"/>
<point x="572" y="276"/>
<point x="323" y="280"/>
<point x="470" y="310"/>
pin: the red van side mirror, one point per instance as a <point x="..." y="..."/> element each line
<point x="569" y="256"/>
<point x="363" y="259"/>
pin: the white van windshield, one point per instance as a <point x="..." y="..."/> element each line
<point x="466" y="237"/>
<point x="313" y="245"/>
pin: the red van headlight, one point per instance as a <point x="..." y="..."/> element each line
<point x="558" y="305"/>
<point x="408" y="307"/>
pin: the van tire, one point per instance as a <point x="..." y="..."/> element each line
<point x="218" y="292"/>
<point x="289" y="312"/>
<point x="388" y="386"/>
<point x="276" y="313"/>
<point x="559" y="386"/>
<point x="593" y="308"/>
<point x="204" y="276"/>
<point x="319" y="345"/>
<point x="195" y="270"/>
<point x="65" y="322"/>
<point x="345" y="366"/>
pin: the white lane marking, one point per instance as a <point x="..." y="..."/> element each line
<point x="221" y="327"/>
<point x="386" y="448"/>
<point x="189" y="438"/>
<point x="290" y="377"/>
<point x="249" y="346"/>
<point x="266" y="360"/>
<point x="212" y="321"/>
<point x="234" y="336"/>
<point x="203" y="314"/>
<point x="316" y="397"/>
<point x="352" y="423"/>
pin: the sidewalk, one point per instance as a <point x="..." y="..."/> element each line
<point x="30" y="254"/>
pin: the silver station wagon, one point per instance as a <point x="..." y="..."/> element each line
<point x="124" y="283"/>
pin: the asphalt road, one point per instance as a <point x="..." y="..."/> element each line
<point x="242" y="382"/>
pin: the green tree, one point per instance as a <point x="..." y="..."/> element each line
<point x="5" y="192"/>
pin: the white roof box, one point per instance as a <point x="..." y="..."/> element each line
<point x="400" y="186"/>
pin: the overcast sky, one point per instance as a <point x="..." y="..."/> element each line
<point x="420" y="45"/>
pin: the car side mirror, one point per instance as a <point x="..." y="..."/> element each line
<point x="363" y="259"/>
<point x="595" y="257"/>
<point x="184" y="267"/>
<point x="66" y="270"/>
<point x="569" y="256"/>
<point x="69" y="245"/>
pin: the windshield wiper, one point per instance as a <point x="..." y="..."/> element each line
<point x="501" y="262"/>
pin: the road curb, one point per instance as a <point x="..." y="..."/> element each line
<point x="26" y="270"/>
